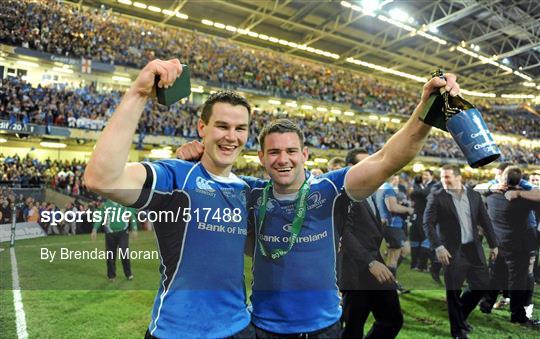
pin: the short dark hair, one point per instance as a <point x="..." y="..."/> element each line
<point x="229" y="97"/>
<point x="453" y="168"/>
<point x="502" y="166"/>
<point x="513" y="175"/>
<point x="280" y="126"/>
<point x="350" y="159"/>
<point x="336" y="161"/>
<point x="428" y="171"/>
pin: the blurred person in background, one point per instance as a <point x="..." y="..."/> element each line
<point x="517" y="241"/>
<point x="393" y="213"/>
<point x="452" y="219"/>
<point x="116" y="235"/>
<point x="366" y="283"/>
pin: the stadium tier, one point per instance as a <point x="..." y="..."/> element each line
<point x="305" y="188"/>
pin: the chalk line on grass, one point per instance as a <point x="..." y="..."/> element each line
<point x="20" y="317"/>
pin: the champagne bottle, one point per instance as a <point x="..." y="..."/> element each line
<point x="466" y="125"/>
<point x="452" y="105"/>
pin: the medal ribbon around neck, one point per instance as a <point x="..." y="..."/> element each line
<point x="300" y="210"/>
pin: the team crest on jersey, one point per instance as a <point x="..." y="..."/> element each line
<point x="203" y="186"/>
<point x="243" y="198"/>
<point x="235" y="193"/>
<point x="315" y="200"/>
<point x="270" y="204"/>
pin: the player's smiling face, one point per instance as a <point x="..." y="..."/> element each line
<point x="224" y="136"/>
<point x="283" y="158"/>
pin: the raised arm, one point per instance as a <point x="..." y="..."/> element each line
<point x="366" y="176"/>
<point x="108" y="172"/>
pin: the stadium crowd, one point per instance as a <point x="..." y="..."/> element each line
<point x="88" y="109"/>
<point x="72" y="31"/>
<point x="64" y="176"/>
<point x="69" y="30"/>
<point x="30" y="209"/>
<point x="113" y="39"/>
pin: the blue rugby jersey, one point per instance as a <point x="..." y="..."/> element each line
<point x="298" y="292"/>
<point x="202" y="292"/>
<point x="385" y="191"/>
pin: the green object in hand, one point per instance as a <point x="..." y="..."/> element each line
<point x="180" y="89"/>
<point x="433" y="112"/>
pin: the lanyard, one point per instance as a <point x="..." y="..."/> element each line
<point x="299" y="216"/>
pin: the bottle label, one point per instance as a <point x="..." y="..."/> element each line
<point x="473" y="137"/>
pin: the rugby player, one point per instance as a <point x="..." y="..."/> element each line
<point x="294" y="262"/>
<point x="202" y="291"/>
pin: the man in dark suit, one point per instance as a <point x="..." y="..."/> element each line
<point x="451" y="223"/>
<point x="516" y="240"/>
<point x="366" y="283"/>
<point x="419" y="242"/>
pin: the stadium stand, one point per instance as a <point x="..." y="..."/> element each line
<point x="88" y="109"/>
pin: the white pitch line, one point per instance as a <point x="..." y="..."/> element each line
<point x="20" y="317"/>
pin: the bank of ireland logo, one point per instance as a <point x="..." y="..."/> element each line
<point x="287" y="228"/>
<point x="315" y="200"/>
<point x="204" y="184"/>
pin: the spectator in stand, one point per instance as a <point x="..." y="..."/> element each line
<point x="74" y="31"/>
<point x="33" y="213"/>
<point x="335" y="164"/>
<point x="180" y="120"/>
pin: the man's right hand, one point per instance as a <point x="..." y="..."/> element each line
<point x="93" y="234"/>
<point x="192" y="151"/>
<point x="381" y="272"/>
<point x="443" y="255"/>
<point x="168" y="71"/>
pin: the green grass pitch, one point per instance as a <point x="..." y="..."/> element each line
<point x="68" y="299"/>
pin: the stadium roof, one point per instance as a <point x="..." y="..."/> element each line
<point x="494" y="46"/>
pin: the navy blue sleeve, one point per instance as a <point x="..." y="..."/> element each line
<point x="337" y="177"/>
<point x="162" y="176"/>
<point x="253" y="182"/>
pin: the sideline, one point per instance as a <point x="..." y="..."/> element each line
<point x="20" y="317"/>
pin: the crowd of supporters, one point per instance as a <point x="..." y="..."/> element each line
<point x="86" y="108"/>
<point x="74" y="31"/>
<point x="64" y="176"/>
<point x="100" y="35"/>
<point x="30" y="209"/>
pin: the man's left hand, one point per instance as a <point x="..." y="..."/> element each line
<point x="511" y="195"/>
<point x="493" y="252"/>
